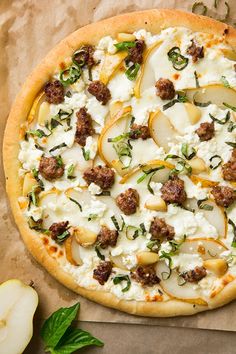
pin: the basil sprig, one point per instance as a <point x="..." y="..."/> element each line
<point x="60" y="337"/>
<point x="119" y="278"/>
<point x="86" y="154"/>
<point x="178" y="61"/>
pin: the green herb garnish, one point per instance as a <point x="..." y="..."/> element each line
<point x="154" y="245"/>
<point x="231" y="143"/>
<point x="179" y="62"/>
<point x="196" y="79"/>
<point x="125" y="45"/>
<point x="187" y="151"/>
<point x="233" y="244"/>
<point x="225" y="82"/>
<point x="204" y="206"/>
<point x="132" y="71"/>
<point x="70" y="75"/>
<point x="231" y="126"/>
<point x="119" y="278"/>
<point x="216" y="161"/>
<point x="60" y="337"/>
<point x="58" y="147"/>
<point x="39" y="133"/>
<point x="86" y="154"/>
<point x="99" y="254"/>
<point x="61" y="238"/>
<point x="181" y="98"/>
<point x="233" y="108"/>
<point x="76" y="202"/>
<point x="70" y="172"/>
<point x="221" y="121"/>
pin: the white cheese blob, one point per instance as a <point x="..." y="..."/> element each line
<point x="29" y="156"/>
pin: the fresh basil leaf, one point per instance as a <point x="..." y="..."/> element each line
<point x="57" y="324"/>
<point x="154" y="245"/>
<point x="132" y="71"/>
<point x="59" y="160"/>
<point x="118" y="138"/>
<point x="125" y="45"/>
<point x="119" y="278"/>
<point x="75" y="339"/>
<point x="61" y="238"/>
<point x="181" y="98"/>
<point x="231" y="127"/>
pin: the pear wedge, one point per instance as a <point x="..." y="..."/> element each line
<point x="18" y="303"/>
<point x="111" y="63"/>
<point x="33" y="114"/>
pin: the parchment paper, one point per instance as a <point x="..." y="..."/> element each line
<point x="29" y="29"/>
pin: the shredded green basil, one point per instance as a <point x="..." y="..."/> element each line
<point x="39" y="133"/>
<point x="119" y="278"/>
<point x="132" y="71"/>
<point x="204" y="206"/>
<point x="116" y="224"/>
<point x="217" y="163"/>
<point x="118" y="138"/>
<point x="231" y="126"/>
<point x="92" y="217"/>
<point x="231" y="143"/>
<point x="181" y="281"/>
<point x="181" y="98"/>
<point x="58" y="147"/>
<point x="225" y="82"/>
<point x="233" y="108"/>
<point x="36" y="176"/>
<point x="196" y="79"/>
<point x="59" y="160"/>
<point x="103" y="194"/>
<point x="76" y="202"/>
<point x="99" y="254"/>
<point x="221" y="121"/>
<point x="154" y="245"/>
<point x="123" y="150"/>
<point x="125" y="45"/>
<point x="181" y="167"/>
<point x="70" y="172"/>
<point x="233" y="244"/>
<point x="187" y="151"/>
<point x="86" y="154"/>
<point x="200" y="104"/>
<point x="148" y="172"/>
<point x="178" y="61"/>
<point x="61" y="238"/>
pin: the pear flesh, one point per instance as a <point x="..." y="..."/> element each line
<point x="18" y="303"/>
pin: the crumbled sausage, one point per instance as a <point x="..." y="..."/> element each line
<point x="57" y="228"/>
<point x="145" y="275"/>
<point x="103" y="176"/>
<point x="54" y="91"/>
<point x="139" y="131"/>
<point x="102" y="272"/>
<point x="195" y="51"/>
<point x="229" y="168"/>
<point x="165" y="89"/>
<point x="107" y="237"/>
<point x="173" y="191"/>
<point x="135" y="54"/>
<point x="206" y="131"/>
<point x="84" y="56"/>
<point x="100" y="91"/>
<point x="84" y="127"/>
<point x="50" y="168"/>
<point x="128" y="201"/>
<point x="194" y="275"/>
<point x="224" y="196"/>
<point x="160" y="230"/>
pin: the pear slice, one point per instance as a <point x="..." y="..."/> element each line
<point x="216" y="94"/>
<point x="33" y="114"/>
<point x="194" y="113"/>
<point x="207" y="248"/>
<point x="155" y="203"/>
<point x="18" y="303"/>
<point x="170" y="285"/>
<point x="161" y="130"/>
<point x="161" y="176"/>
<point x="216" y="216"/>
<point x="72" y="250"/>
<point x="218" y="266"/>
<point x="146" y="77"/>
<point x="111" y="63"/>
<point x="84" y="237"/>
<point x="28" y="183"/>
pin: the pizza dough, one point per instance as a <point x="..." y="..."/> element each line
<point x="119" y="163"/>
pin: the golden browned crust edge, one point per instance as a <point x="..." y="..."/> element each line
<point x="152" y="20"/>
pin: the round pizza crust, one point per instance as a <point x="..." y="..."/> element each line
<point x="153" y="21"/>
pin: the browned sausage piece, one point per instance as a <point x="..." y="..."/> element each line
<point x="173" y="191"/>
<point x="100" y="91"/>
<point x="195" y="51"/>
<point x="102" y="272"/>
<point x="103" y="176"/>
<point x="128" y="201"/>
<point x="57" y="228"/>
<point x="54" y="91"/>
<point x="224" y="196"/>
<point x="135" y="54"/>
<point x="194" y="275"/>
<point x="160" y="230"/>
<point x="107" y="237"/>
<point x="139" y="131"/>
<point x="145" y="275"/>
<point x="165" y="89"/>
<point x="206" y="131"/>
<point x="84" y="127"/>
<point x="50" y="169"/>
<point x="84" y="56"/>
<point x="229" y="168"/>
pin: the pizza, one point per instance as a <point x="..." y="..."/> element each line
<point x="120" y="163"/>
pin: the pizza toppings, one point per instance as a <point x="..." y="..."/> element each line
<point x="229" y="168"/>
<point x="58" y="229"/>
<point x="100" y="91"/>
<point x="160" y="230"/>
<point x="195" y="51"/>
<point x="54" y="92"/>
<point x="128" y="201"/>
<point x="135" y="54"/>
<point x="173" y="190"/>
<point x="139" y="131"/>
<point x="51" y="168"/>
<point x="165" y="89"/>
<point x="194" y="275"/>
<point x="84" y="56"/>
<point x="84" y="126"/>
<point x="145" y="275"/>
<point x="107" y="237"/>
<point x="102" y="272"/>
<point x="223" y="195"/>
<point x="103" y="176"/>
<point x="206" y="131"/>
